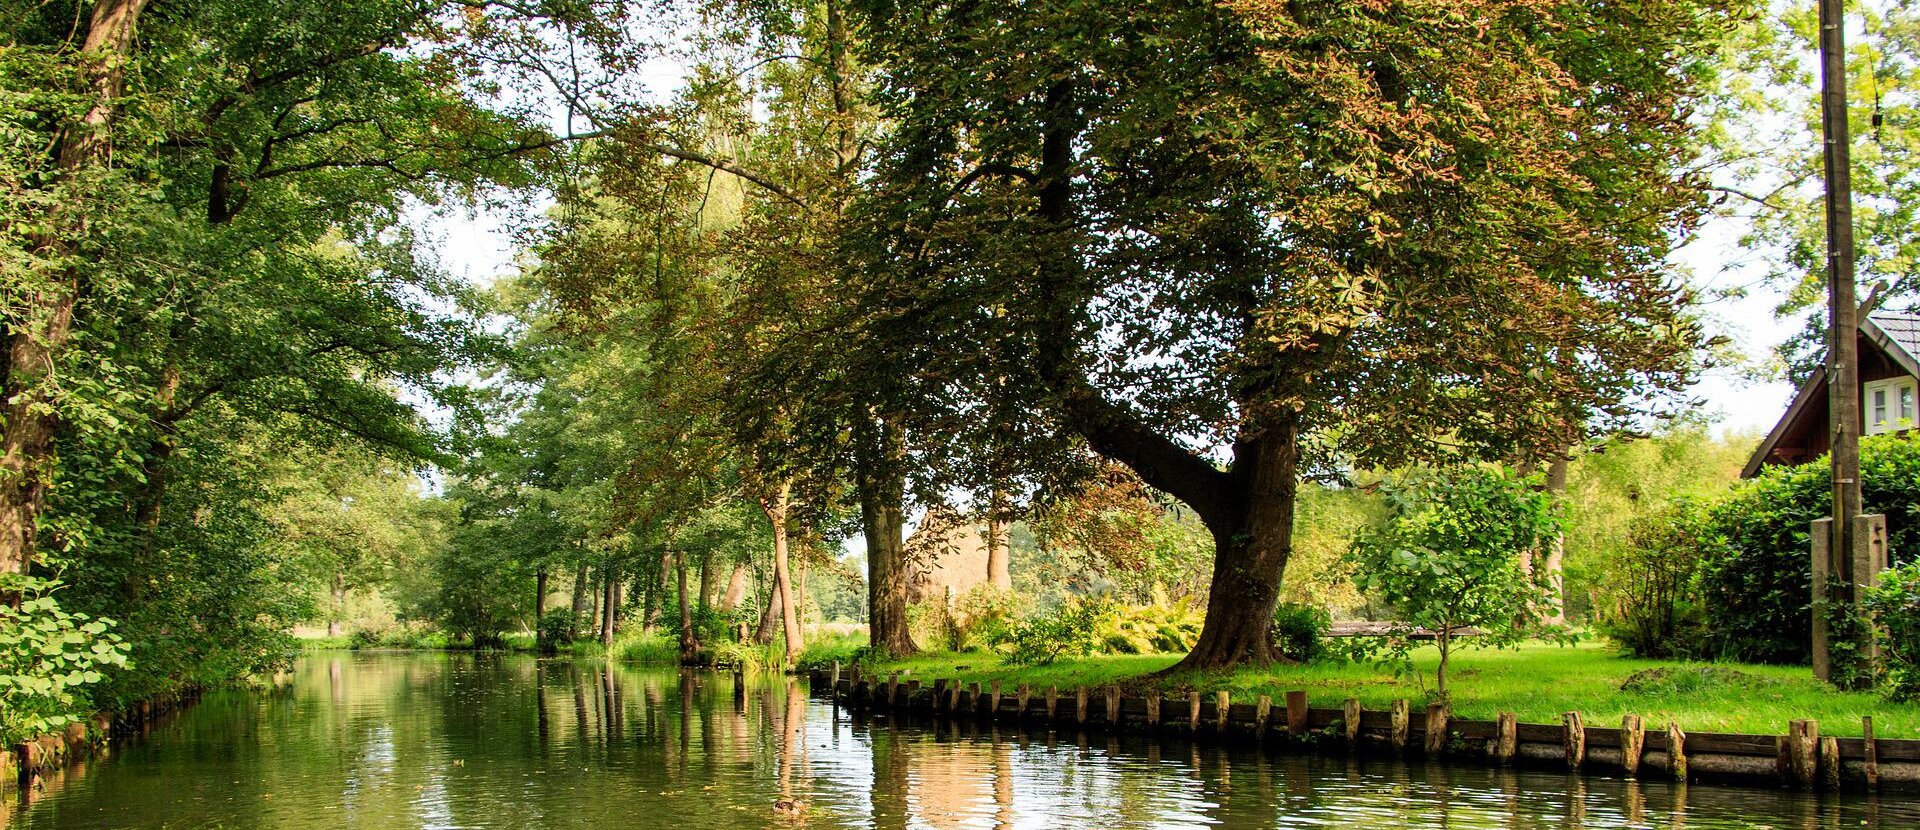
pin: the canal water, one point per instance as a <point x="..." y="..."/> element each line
<point x="404" y="740"/>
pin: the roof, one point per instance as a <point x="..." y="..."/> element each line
<point x="1895" y="333"/>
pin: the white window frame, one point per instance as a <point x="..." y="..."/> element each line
<point x="1889" y="415"/>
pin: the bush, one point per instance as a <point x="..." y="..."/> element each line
<point x="1756" y="590"/>
<point x="1895" y="600"/>
<point x="1148" y="629"/>
<point x="1648" y="592"/>
<point x="1067" y="631"/>
<point x="1300" y="631"/>
<point x="48" y="658"/>
<point x="558" y="627"/>
<point x="983" y="616"/>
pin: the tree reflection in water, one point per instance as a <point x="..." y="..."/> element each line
<point x="388" y="741"/>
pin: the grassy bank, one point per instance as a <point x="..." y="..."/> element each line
<point x="1537" y="682"/>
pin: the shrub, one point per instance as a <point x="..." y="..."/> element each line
<point x="48" y="657"/>
<point x="1449" y="557"/>
<point x="1148" y="629"/>
<point x="983" y="616"/>
<point x="1756" y="590"/>
<point x="1066" y="631"/>
<point x="558" y="627"/>
<point x="1895" y="600"/>
<point x="1649" y="606"/>
<point x="1300" y="631"/>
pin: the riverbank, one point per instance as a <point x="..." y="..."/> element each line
<point x="1535" y="682"/>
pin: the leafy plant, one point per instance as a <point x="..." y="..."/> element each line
<point x="1159" y="628"/>
<point x="1300" y="631"/>
<point x="1895" y="602"/>
<point x="1650" y="606"/>
<point x="1066" y="631"/>
<point x="1450" y="558"/>
<point x="1756" y="588"/>
<point x="48" y="657"/>
<point x="559" y="626"/>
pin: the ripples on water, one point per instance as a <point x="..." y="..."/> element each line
<point x="382" y="741"/>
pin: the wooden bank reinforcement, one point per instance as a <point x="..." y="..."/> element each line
<point x="1801" y="758"/>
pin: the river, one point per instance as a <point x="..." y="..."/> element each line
<point x="383" y="741"/>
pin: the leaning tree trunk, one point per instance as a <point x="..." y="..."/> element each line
<point x="736" y="589"/>
<point x="769" y="619"/>
<point x="776" y="508"/>
<point x="1252" y="545"/>
<point x="45" y="313"/>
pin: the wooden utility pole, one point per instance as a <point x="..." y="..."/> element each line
<point x="1843" y="377"/>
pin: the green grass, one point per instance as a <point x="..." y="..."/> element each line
<point x="1536" y="681"/>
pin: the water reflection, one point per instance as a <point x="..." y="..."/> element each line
<point x="446" y="741"/>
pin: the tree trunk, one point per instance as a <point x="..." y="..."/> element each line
<point x="999" y="555"/>
<point x="1555" y="571"/>
<point x="736" y="589"/>
<point x="610" y="605"/>
<point x="709" y="580"/>
<point x="338" y="591"/>
<point x="1252" y="545"/>
<point x="776" y="509"/>
<point x="33" y="348"/>
<point x="689" y="645"/>
<point x="539" y="598"/>
<point x="882" y="494"/>
<point x="769" y="619"/>
<point x="579" y="594"/>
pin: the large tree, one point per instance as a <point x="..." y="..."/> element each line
<point x="1232" y="244"/>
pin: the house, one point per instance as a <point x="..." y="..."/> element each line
<point x="1889" y="366"/>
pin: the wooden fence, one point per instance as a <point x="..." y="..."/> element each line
<point x="1800" y="758"/>
<point x="54" y="750"/>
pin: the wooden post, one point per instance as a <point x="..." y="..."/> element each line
<point x="1351" y="717"/>
<point x="1830" y="763"/>
<point x="1869" y="559"/>
<point x="1803" y="738"/>
<point x="1193" y="711"/>
<point x="1676" y="751"/>
<point x="835" y="681"/>
<point x="994" y="707"/>
<point x="939" y="694"/>
<point x="1080" y="704"/>
<point x="1822" y="533"/>
<point x="1576" y="738"/>
<point x="1222" y="709"/>
<point x="1262" y="714"/>
<point x="1053" y="702"/>
<point x="1026" y="694"/>
<point x="1153" y="710"/>
<point x="976" y="697"/>
<point x="1399" y="715"/>
<point x="1871" y="764"/>
<point x="1506" y="738"/>
<point x="1113" y="706"/>
<point x="953" y="696"/>
<point x="1633" y="741"/>
<point x="1296" y="713"/>
<point x="1437" y="717"/>
<point x="913" y="689"/>
<point x="739" y="686"/>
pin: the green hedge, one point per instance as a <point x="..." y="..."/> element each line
<point x="1756" y="589"/>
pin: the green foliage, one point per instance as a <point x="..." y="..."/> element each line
<point x="1300" y="631"/>
<point x="1616" y="489"/>
<point x="558" y="627"/>
<point x="984" y="615"/>
<point x="1895" y="603"/>
<point x="1451" y="556"/>
<point x="1067" y="631"/>
<point x="1651" y="609"/>
<point x="1158" y="628"/>
<point x="48" y="658"/>
<point x="823" y="650"/>
<point x="1757" y="587"/>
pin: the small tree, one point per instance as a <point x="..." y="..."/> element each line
<point x="1450" y="556"/>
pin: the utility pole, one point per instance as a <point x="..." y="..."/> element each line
<point x="1843" y="384"/>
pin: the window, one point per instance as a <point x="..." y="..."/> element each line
<point x="1890" y="405"/>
